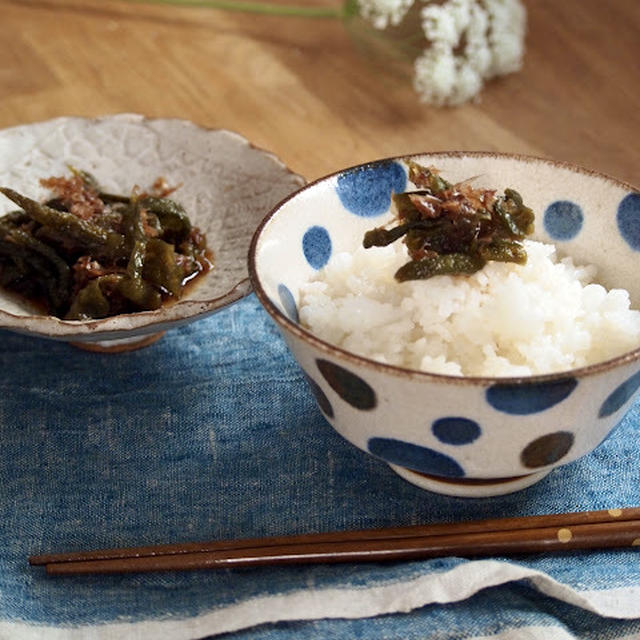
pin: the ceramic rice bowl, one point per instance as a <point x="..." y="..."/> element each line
<point x="461" y="436"/>
<point x="226" y="185"/>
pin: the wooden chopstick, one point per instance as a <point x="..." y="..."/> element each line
<point x="503" y="536"/>
<point x="474" y="526"/>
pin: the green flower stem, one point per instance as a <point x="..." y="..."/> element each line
<point x="265" y="8"/>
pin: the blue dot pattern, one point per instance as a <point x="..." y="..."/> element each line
<point x="620" y="396"/>
<point x="547" y="449"/>
<point x="563" y="220"/>
<point x="415" y="457"/>
<point x="316" y="246"/>
<point x="320" y="396"/>
<point x="452" y="430"/>
<point x="366" y="191"/>
<point x="628" y="218"/>
<point x="350" y="387"/>
<point x="516" y="399"/>
<point x="288" y="303"/>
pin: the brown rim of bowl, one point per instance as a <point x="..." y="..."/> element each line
<point x="472" y="482"/>
<point x="102" y="328"/>
<point x="340" y="353"/>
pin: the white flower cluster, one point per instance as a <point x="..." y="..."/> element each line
<point x="384" y="12"/>
<point x="469" y="41"/>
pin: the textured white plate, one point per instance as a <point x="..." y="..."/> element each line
<point x="228" y="186"/>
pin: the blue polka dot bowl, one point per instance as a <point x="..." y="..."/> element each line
<point x="460" y="436"/>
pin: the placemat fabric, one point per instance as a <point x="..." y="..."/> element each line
<point x="212" y="433"/>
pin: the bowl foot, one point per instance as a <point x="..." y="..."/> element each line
<point x="120" y="346"/>
<point x="468" y="487"/>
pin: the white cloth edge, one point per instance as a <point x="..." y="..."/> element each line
<point x="454" y="585"/>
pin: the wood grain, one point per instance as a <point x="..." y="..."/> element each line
<point x="300" y="88"/>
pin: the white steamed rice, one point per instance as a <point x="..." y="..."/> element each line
<point x="505" y="320"/>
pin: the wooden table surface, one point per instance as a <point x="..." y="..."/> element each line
<point x="300" y="88"/>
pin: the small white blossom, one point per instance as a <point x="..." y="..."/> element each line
<point x="477" y="53"/>
<point x="470" y="42"/>
<point x="442" y="78"/>
<point x="384" y="12"/>
<point x="435" y="73"/>
<point x="506" y="36"/>
<point x="439" y="25"/>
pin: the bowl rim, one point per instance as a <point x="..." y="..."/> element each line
<point x="177" y="313"/>
<point x="342" y="354"/>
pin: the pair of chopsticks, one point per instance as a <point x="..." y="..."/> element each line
<point x="504" y="536"/>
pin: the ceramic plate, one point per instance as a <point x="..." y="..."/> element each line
<point x="227" y="187"/>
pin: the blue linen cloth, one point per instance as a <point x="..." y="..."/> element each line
<point x="211" y="433"/>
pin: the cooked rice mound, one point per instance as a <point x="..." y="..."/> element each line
<point x="505" y="320"/>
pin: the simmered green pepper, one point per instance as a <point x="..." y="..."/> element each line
<point x="454" y="229"/>
<point x="90" y="254"/>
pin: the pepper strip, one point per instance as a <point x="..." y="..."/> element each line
<point x="106" y="243"/>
